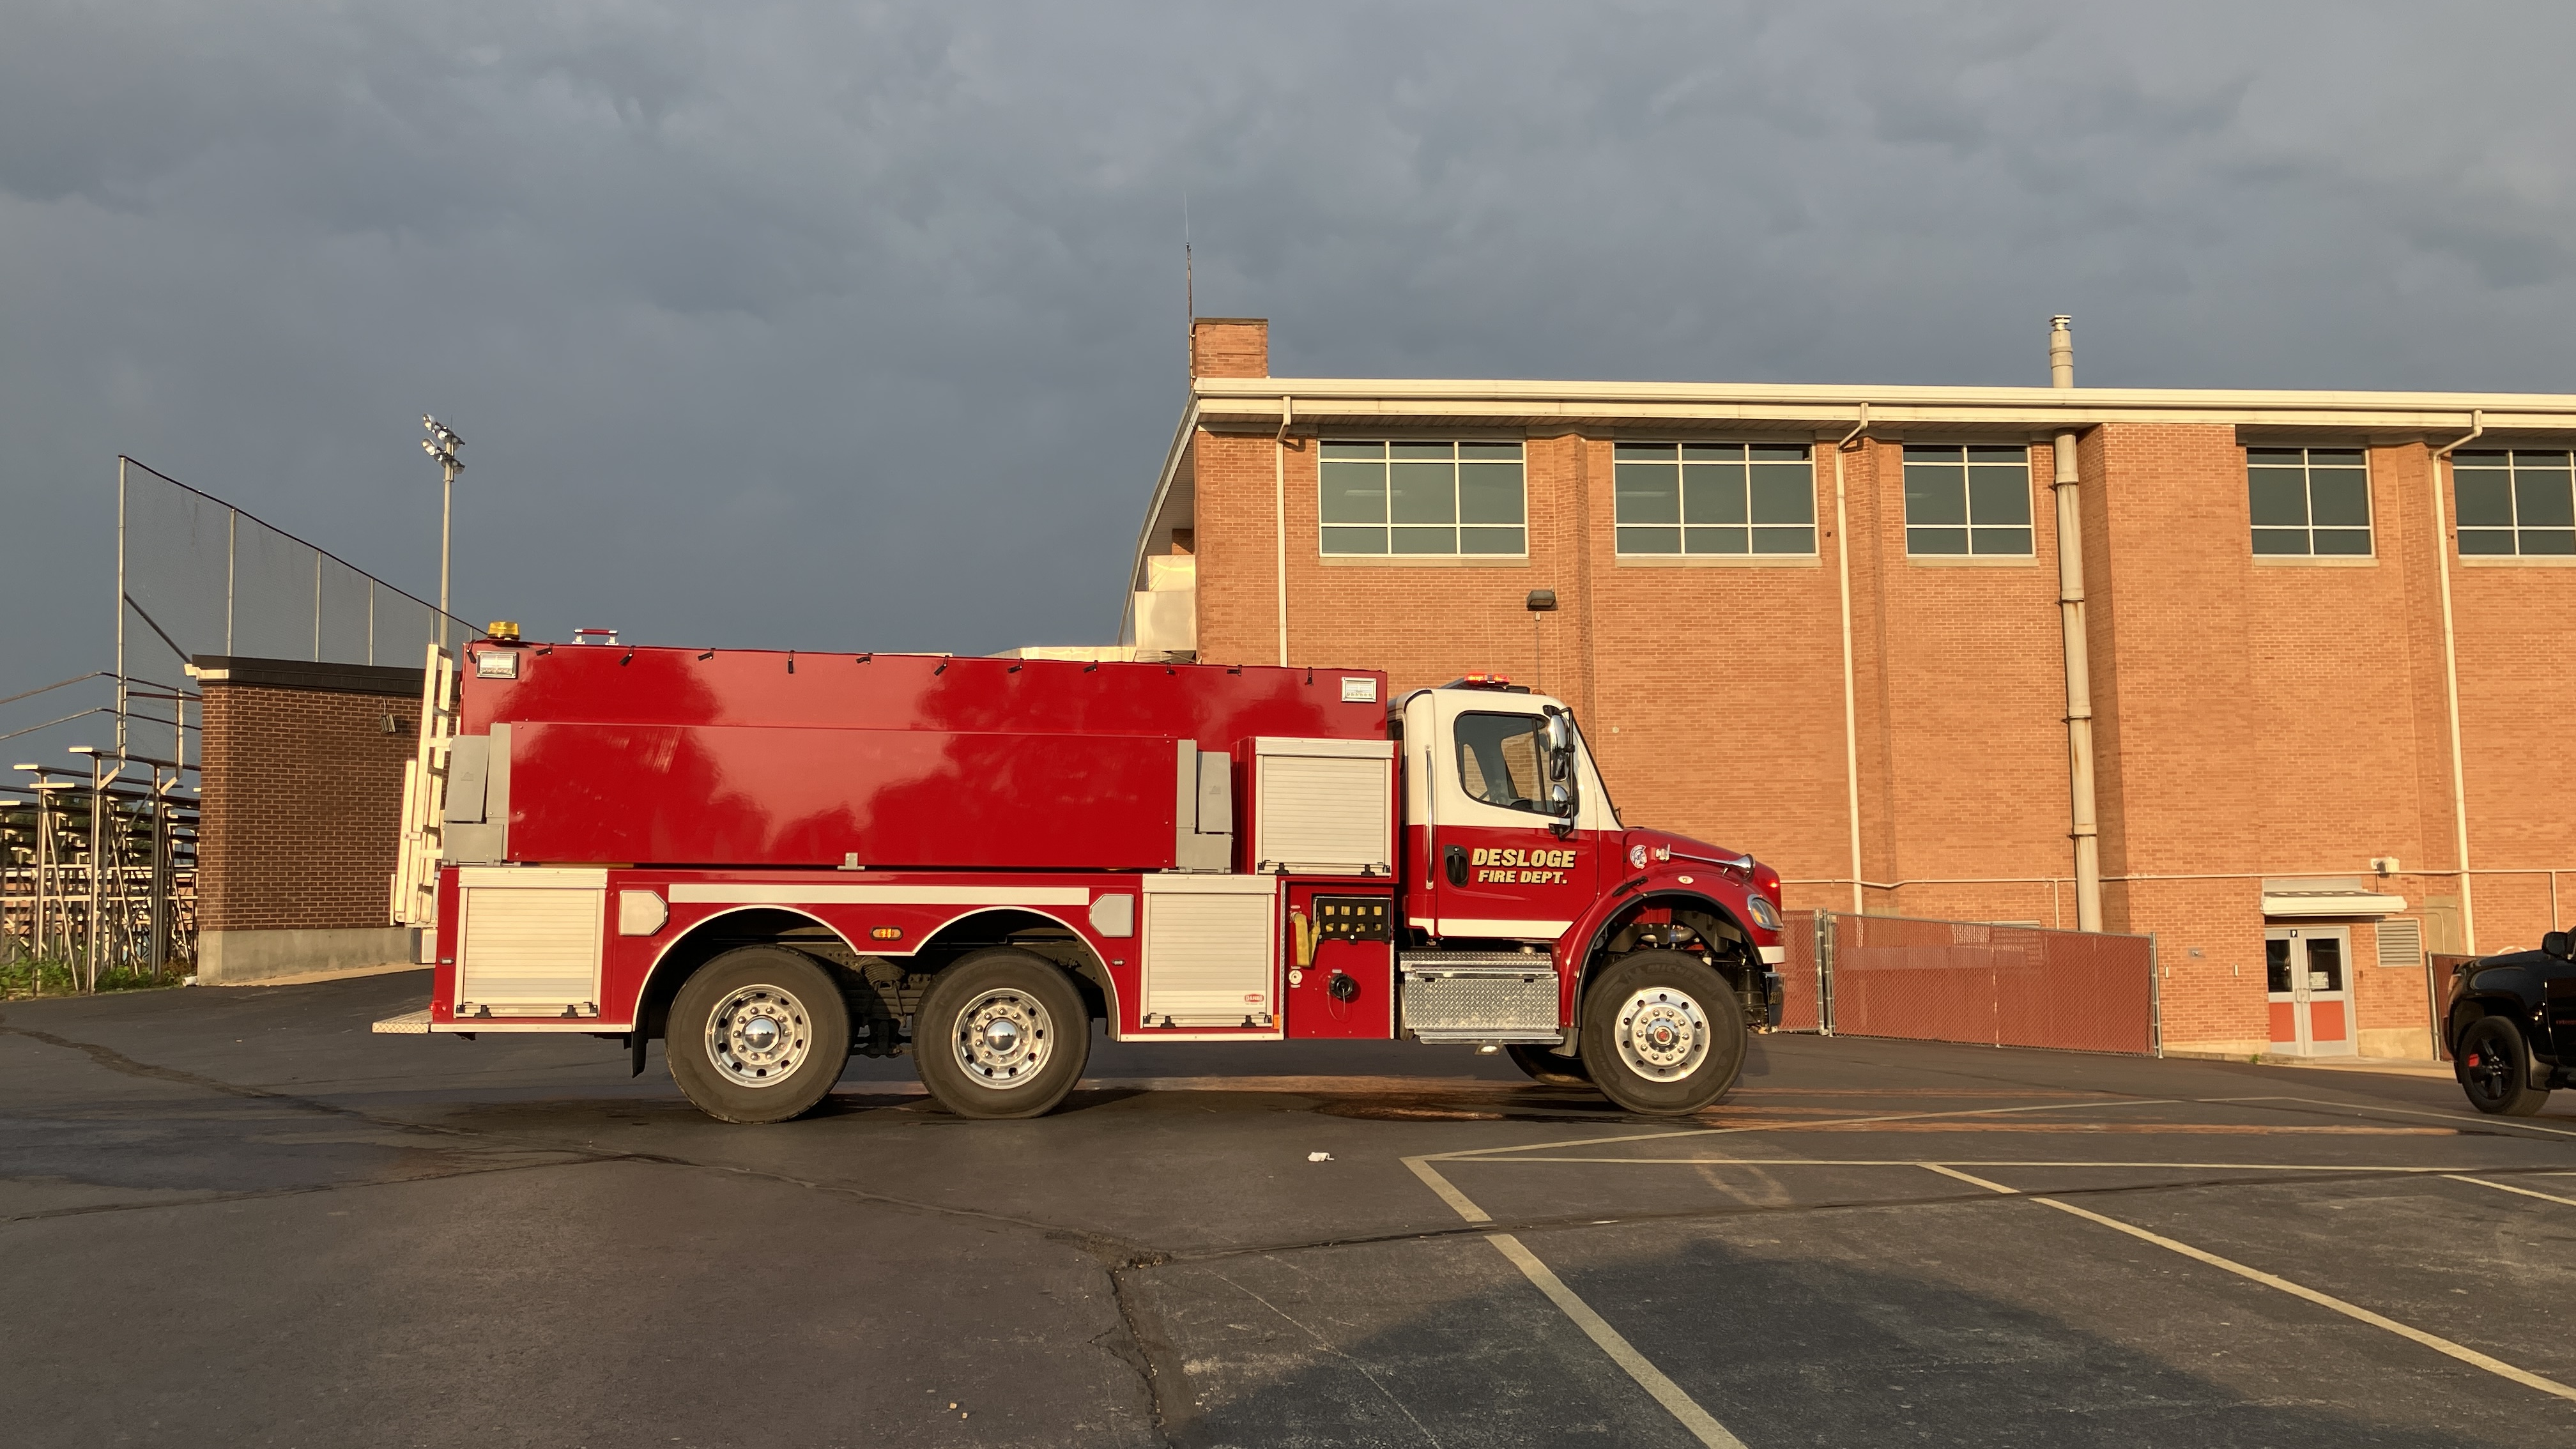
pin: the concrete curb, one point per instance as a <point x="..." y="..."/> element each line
<point x="350" y="973"/>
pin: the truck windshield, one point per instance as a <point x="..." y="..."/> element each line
<point x="1604" y="791"/>
<point x="1499" y="759"/>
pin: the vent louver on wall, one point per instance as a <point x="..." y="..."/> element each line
<point x="2401" y="943"/>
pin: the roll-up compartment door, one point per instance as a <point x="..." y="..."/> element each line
<point x="1325" y="807"/>
<point x="1210" y="951"/>
<point x="532" y="940"/>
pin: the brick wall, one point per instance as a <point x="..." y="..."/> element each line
<point x="2252" y="718"/>
<point x="302" y="793"/>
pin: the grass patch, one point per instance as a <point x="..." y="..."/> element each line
<point x="22" y="979"/>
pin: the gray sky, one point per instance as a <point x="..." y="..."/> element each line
<point x="861" y="326"/>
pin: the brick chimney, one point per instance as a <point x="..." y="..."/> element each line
<point x="1230" y="347"/>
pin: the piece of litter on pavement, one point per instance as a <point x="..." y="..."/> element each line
<point x="1319" y="1157"/>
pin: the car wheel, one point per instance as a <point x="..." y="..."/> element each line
<point x="2495" y="1069"/>
<point x="1662" y="1033"/>
<point x="1547" y="1068"/>
<point x="758" y="1035"/>
<point x="1001" y="1034"/>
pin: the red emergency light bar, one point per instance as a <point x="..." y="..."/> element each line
<point x="1501" y="682"/>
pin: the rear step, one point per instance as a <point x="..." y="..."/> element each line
<point x="410" y="1023"/>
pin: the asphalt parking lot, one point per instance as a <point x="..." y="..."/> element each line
<point x="236" y="1217"/>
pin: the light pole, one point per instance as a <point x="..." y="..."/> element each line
<point x="1541" y="601"/>
<point x="441" y="446"/>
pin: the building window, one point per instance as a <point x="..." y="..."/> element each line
<point x="1961" y="500"/>
<point x="2515" y="503"/>
<point x="1424" y="498"/>
<point x="1715" y="498"/>
<point x="2309" y="501"/>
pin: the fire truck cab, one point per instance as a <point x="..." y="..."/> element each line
<point x="773" y="861"/>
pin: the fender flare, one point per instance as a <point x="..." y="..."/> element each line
<point x="653" y="977"/>
<point x="1619" y="911"/>
<point x="1094" y="972"/>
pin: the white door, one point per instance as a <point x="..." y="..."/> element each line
<point x="2308" y="971"/>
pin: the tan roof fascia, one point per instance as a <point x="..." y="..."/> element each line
<point x="1257" y="401"/>
<point x="1154" y="511"/>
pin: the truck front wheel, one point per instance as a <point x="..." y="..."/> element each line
<point x="1662" y="1033"/>
<point x="2495" y="1070"/>
<point x="758" y="1035"/>
<point x="1548" y="1069"/>
<point x="1001" y="1034"/>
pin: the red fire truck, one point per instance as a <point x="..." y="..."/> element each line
<point x="775" y="860"/>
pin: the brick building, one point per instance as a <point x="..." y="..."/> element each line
<point x="1832" y="626"/>
<point x="301" y="802"/>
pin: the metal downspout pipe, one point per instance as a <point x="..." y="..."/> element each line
<point x="1851" y="726"/>
<point x="1279" y="516"/>
<point x="2082" y="826"/>
<point x="2451" y="677"/>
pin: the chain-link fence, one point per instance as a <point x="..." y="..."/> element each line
<point x="208" y="578"/>
<point x="1965" y="981"/>
<point x="98" y="854"/>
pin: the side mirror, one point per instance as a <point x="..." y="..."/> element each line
<point x="2559" y="944"/>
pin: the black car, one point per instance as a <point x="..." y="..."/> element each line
<point x="2511" y="1026"/>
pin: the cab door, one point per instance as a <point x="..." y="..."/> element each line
<point x="1498" y="866"/>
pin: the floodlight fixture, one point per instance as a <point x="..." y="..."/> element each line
<point x="441" y="446"/>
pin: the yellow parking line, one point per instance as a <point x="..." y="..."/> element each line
<point x="2438" y="1344"/>
<point x="1919" y="1162"/>
<point x="1623" y="1353"/>
<point x="1685" y="1409"/>
<point x="2408" y="1112"/>
<point x="2508" y="1187"/>
<point x="1480" y="1153"/>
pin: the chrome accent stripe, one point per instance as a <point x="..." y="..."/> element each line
<point x="720" y="894"/>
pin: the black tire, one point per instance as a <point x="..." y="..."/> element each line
<point x="1546" y="1067"/>
<point x="1001" y="1034"/>
<point x="758" y="1034"/>
<point x="2495" y="1069"/>
<point x="1662" y="1033"/>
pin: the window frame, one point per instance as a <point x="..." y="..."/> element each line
<point x="2514" y="531"/>
<point x="1456" y="526"/>
<point x="1682" y="527"/>
<point x="1967" y="524"/>
<point x="1532" y="805"/>
<point x="2308" y="500"/>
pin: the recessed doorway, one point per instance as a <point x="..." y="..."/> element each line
<point x="2309" y="971"/>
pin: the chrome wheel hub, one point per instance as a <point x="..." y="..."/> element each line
<point x="1663" y="1034"/>
<point x="759" y="1036"/>
<point x="1003" y="1038"/>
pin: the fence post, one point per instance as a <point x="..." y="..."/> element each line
<point x="2155" y="1001"/>
<point x="1824" y="973"/>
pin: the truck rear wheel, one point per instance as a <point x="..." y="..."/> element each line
<point x="1662" y="1033"/>
<point x="1001" y="1034"/>
<point x="758" y="1035"/>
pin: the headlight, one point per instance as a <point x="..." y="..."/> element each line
<point x="1759" y="907"/>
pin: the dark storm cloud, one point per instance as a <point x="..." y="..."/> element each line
<point x="861" y="326"/>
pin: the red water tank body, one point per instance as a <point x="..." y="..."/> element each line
<point x="762" y="758"/>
